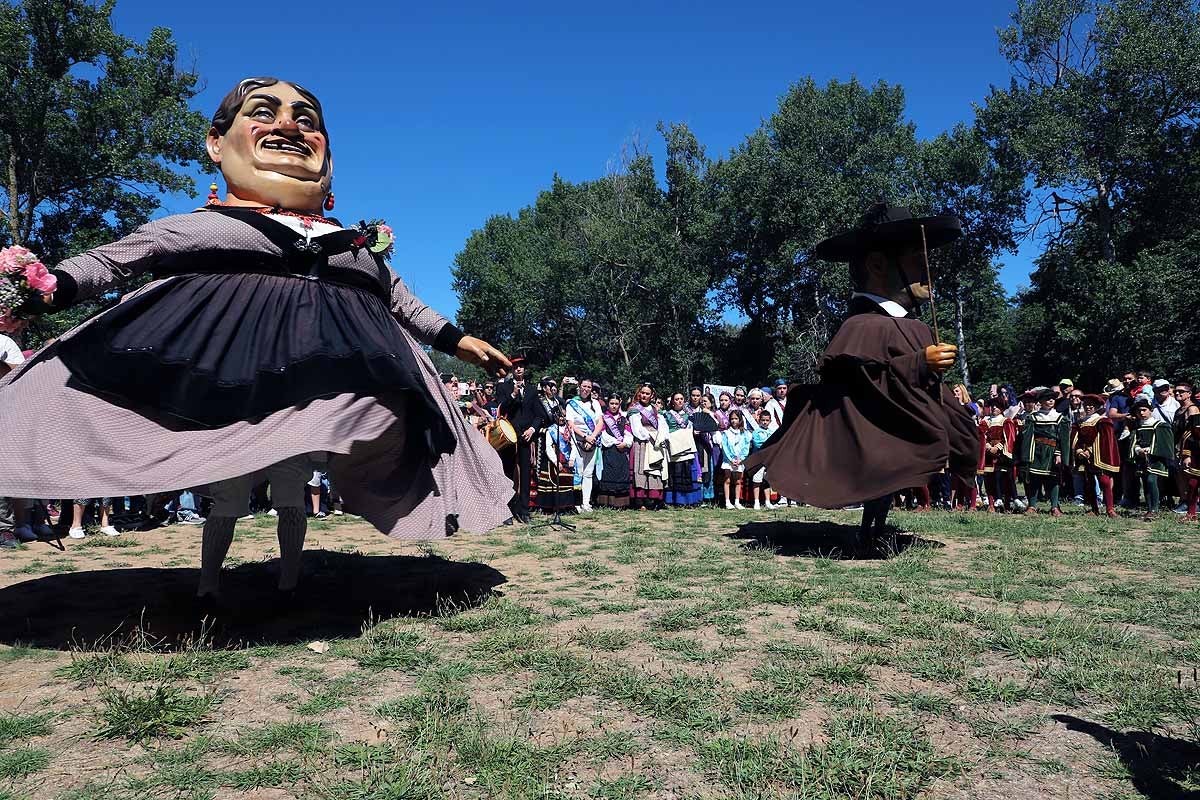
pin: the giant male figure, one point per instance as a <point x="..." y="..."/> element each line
<point x="881" y="419"/>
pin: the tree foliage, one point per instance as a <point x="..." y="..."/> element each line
<point x="95" y="127"/>
<point x="592" y="278"/>
<point x="1102" y="114"/>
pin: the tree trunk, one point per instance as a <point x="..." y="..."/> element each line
<point x="961" y="340"/>
<point x="1108" y="250"/>
<point x="14" y="212"/>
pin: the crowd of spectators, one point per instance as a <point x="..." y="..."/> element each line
<point x="647" y="448"/>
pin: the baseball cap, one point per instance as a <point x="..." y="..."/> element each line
<point x="1067" y="382"/>
<point x="1161" y="384"/>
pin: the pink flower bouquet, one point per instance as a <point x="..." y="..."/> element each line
<point x="22" y="278"/>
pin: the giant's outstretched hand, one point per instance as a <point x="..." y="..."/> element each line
<point x="478" y="352"/>
<point x="940" y="357"/>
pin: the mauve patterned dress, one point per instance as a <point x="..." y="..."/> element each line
<point x="64" y="441"/>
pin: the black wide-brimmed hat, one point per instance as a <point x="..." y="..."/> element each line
<point x="885" y="227"/>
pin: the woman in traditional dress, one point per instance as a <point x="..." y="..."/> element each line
<point x="706" y="445"/>
<point x="270" y="337"/>
<point x="556" y="465"/>
<point x="684" y="487"/>
<point x="616" y="440"/>
<point x="647" y="457"/>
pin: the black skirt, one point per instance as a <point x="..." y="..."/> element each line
<point x="214" y="349"/>
<point x="615" y="478"/>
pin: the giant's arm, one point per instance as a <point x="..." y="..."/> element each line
<point x="428" y="326"/>
<point x="99" y="269"/>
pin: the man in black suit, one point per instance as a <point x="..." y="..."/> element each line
<point x="519" y="405"/>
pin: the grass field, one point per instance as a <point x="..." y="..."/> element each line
<point x="696" y="654"/>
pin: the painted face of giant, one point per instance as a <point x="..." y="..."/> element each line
<point x="274" y="152"/>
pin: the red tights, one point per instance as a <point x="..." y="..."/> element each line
<point x="1106" y="487"/>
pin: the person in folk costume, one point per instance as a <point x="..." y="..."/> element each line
<point x="585" y="414"/>
<point x="880" y="420"/>
<point x="695" y="400"/>
<point x="1094" y="447"/>
<point x="758" y="439"/>
<point x="1189" y="461"/>
<point x="616" y="440"/>
<point x="1027" y="405"/>
<point x="1000" y="441"/>
<point x="735" y="448"/>
<point x="519" y="404"/>
<point x="271" y="336"/>
<point x="1151" y="449"/>
<point x="706" y="425"/>
<point x="647" y="457"/>
<point x="1044" y="445"/>
<point x="557" y="464"/>
<point x="778" y="402"/>
<point x="755" y="402"/>
<point x="964" y="492"/>
<point x="684" y="484"/>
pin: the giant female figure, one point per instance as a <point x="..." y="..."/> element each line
<point x="270" y="334"/>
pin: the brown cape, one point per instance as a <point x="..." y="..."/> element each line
<point x="879" y="421"/>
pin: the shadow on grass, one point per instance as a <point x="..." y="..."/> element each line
<point x="819" y="539"/>
<point x="337" y="593"/>
<point x="1156" y="764"/>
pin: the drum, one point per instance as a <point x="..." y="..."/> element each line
<point x="501" y="435"/>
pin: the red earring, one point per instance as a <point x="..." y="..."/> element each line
<point x="212" y="195"/>
<point x="329" y="202"/>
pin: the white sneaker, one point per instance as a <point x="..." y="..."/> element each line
<point x="109" y="530"/>
<point x="728" y="504"/>
<point x="578" y="509"/>
<point x="738" y="505"/>
<point x="272" y="513"/>
<point x="783" y="501"/>
<point x="76" y="533"/>
<point x="772" y="506"/>
<point x="337" y="512"/>
<point x="246" y="518"/>
<point x="757" y="507"/>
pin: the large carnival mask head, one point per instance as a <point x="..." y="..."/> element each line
<point x="269" y="140"/>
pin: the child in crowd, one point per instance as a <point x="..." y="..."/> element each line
<point x="104" y="508"/>
<point x="757" y="439"/>
<point x="735" y="447"/>
<point x="1151" y="451"/>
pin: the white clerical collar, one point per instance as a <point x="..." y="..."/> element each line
<point x="890" y="306"/>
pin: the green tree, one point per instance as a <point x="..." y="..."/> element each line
<point x="984" y="187"/>
<point x="591" y="279"/>
<point x="1097" y="86"/>
<point x="808" y="171"/>
<point x="95" y="128"/>
<point x="1102" y="113"/>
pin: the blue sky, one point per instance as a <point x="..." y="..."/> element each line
<point x="441" y="115"/>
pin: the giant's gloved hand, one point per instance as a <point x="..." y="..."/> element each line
<point x="940" y="357"/>
<point x="478" y="352"/>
